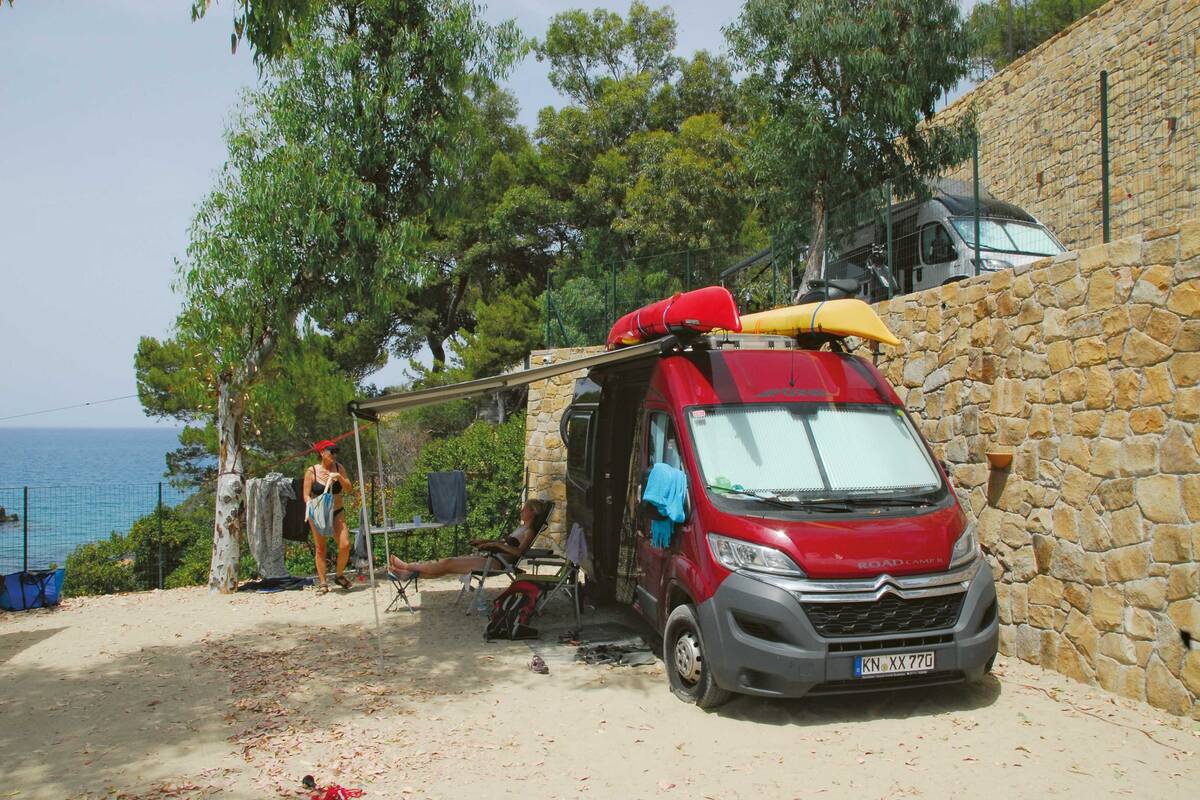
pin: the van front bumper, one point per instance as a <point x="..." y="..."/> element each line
<point x="787" y="638"/>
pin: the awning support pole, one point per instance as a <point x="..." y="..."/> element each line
<point x="387" y="550"/>
<point x="366" y="526"/>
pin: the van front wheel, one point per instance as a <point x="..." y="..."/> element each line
<point x="685" y="661"/>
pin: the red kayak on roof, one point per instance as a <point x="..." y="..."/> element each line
<point x="698" y="311"/>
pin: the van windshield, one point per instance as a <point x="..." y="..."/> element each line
<point x="798" y="451"/>
<point x="1008" y="236"/>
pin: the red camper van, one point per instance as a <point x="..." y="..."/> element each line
<point x="822" y="548"/>
<point x="819" y="548"/>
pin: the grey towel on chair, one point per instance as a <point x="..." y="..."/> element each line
<point x="448" y="496"/>
<point x="265" y="500"/>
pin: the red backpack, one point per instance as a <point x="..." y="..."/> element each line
<point x="511" y="612"/>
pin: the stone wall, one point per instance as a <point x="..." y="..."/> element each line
<point x="1039" y="122"/>
<point x="1086" y="368"/>
<point x="545" y="454"/>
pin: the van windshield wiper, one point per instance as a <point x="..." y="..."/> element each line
<point x="886" y="500"/>
<point x="772" y="501"/>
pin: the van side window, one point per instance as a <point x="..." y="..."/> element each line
<point x="663" y="445"/>
<point x="579" y="450"/>
<point x="936" y="245"/>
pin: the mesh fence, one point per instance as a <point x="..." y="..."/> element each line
<point x="43" y="525"/>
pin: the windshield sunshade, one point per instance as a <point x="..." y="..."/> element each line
<point x="1008" y="236"/>
<point x="810" y="448"/>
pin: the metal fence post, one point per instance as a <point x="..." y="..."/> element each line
<point x="547" y="304"/>
<point x="887" y="186"/>
<point x="687" y="283"/>
<point x="1104" y="155"/>
<point x="160" y="536"/>
<point x="25" y="528"/>
<point x="614" y="293"/>
<point x="975" y="180"/>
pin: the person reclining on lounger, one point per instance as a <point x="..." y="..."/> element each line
<point x="533" y="515"/>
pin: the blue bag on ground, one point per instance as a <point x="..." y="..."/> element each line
<point x="34" y="589"/>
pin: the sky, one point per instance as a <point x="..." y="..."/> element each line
<point x="112" y="119"/>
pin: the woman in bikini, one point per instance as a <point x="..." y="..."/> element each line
<point x="533" y="514"/>
<point x="329" y="476"/>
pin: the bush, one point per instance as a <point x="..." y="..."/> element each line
<point x="493" y="458"/>
<point x="102" y="567"/>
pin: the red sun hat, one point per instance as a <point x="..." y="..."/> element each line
<point x="324" y="445"/>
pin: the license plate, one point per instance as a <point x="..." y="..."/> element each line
<point x="898" y="664"/>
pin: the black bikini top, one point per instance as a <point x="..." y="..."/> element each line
<point x="319" y="488"/>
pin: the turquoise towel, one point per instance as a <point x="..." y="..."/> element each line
<point x="666" y="490"/>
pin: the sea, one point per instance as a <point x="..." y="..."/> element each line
<point x="68" y="486"/>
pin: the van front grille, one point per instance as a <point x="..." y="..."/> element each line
<point x="886" y="616"/>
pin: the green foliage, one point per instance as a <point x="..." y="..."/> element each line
<point x="506" y="329"/>
<point x="493" y="458"/>
<point x="1003" y="31"/>
<point x="588" y="51"/>
<point x="103" y="567"/>
<point x="266" y="24"/>
<point x="840" y="89"/>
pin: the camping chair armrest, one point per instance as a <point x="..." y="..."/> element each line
<point x="495" y="547"/>
<point x="539" y="552"/>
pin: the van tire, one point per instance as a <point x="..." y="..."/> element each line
<point x="683" y="657"/>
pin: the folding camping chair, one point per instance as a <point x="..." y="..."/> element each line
<point x="447" y="492"/>
<point x="501" y="563"/>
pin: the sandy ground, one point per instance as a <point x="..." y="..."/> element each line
<point x="186" y="694"/>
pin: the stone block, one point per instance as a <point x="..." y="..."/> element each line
<point x="1108" y="608"/>
<point x="1073" y="663"/>
<point x="1087" y="423"/>
<point x="1191" y="503"/>
<point x="1127" y="563"/>
<point x="1090" y="351"/>
<point x="1106" y="458"/>
<point x="1189" y="234"/>
<point x="1114" y="494"/>
<point x="1141" y="351"/>
<point x="1046" y="591"/>
<point x="1119" y="648"/>
<point x="1096" y="575"/>
<point x="1152" y="285"/>
<point x="1187" y="404"/>
<point x="1159" y="498"/>
<point x="1075" y="451"/>
<point x="1163" y="326"/>
<point x="1164" y="690"/>
<point x="1018" y="598"/>
<point x="1027" y="644"/>
<point x="1067" y="563"/>
<point x="1139" y="623"/>
<point x="1128" y="388"/>
<point x="1147" y="593"/>
<point x="1047" y="618"/>
<point x="1127" y="527"/>
<point x="1079" y="595"/>
<point x="1101" y="292"/>
<point x="1185" y="299"/>
<point x="1172" y="543"/>
<point x="1083" y="634"/>
<point x="1060" y="355"/>
<point x="1182" y="582"/>
<point x="1139" y="455"/>
<point x="1099" y="392"/>
<point x="1146" y="420"/>
<point x="1177" y="452"/>
<point x="1156" y="386"/>
<point x="1185" y="368"/>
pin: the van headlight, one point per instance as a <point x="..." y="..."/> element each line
<point x="967" y="547"/>
<point x="993" y="264"/>
<point x="735" y="554"/>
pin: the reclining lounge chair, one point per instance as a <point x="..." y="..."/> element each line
<point x="502" y="563"/>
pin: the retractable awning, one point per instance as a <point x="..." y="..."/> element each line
<point x="398" y="401"/>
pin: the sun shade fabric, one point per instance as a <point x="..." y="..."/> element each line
<point x="448" y="496"/>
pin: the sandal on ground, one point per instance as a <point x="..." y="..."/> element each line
<point x="342" y="581"/>
<point x="539" y="666"/>
<point x="322" y="588"/>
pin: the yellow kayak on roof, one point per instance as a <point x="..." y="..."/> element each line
<point x="846" y="317"/>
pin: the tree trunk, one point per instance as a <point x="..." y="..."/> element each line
<point x="815" y="268"/>
<point x="227" y="525"/>
<point x="232" y="387"/>
<point x="437" y="349"/>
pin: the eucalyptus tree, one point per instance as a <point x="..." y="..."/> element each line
<point x="843" y="92"/>
<point x="315" y="214"/>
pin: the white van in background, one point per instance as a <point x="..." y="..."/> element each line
<point x="933" y="241"/>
